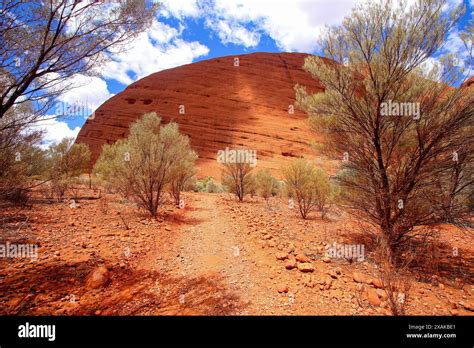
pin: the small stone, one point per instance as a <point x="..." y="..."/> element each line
<point x="359" y="277"/>
<point x="281" y="256"/>
<point x="468" y="306"/>
<point x="372" y="297"/>
<point x="382" y="294"/>
<point x="376" y="283"/>
<point x="326" y="259"/>
<point x="302" y="258"/>
<point x="98" y="278"/>
<point x="290" y="264"/>
<point x="305" y="267"/>
<point x="282" y="288"/>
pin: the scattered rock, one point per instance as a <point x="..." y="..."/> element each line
<point x="282" y="288"/>
<point x="328" y="283"/>
<point x="281" y="256"/>
<point x="290" y="264"/>
<point x="326" y="259"/>
<point x="372" y="297"/>
<point x="468" y="306"/>
<point x="333" y="274"/>
<point x="291" y="248"/>
<point x="305" y="266"/>
<point x="376" y="283"/>
<point x="308" y="280"/>
<point x="302" y="258"/>
<point x="98" y="278"/>
<point x="360" y="278"/>
<point x="382" y="294"/>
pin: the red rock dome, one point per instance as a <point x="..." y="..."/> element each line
<point x="226" y="103"/>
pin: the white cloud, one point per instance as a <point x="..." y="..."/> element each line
<point x="234" y="33"/>
<point x="89" y="92"/>
<point x="180" y="8"/>
<point x="161" y="47"/>
<point x="55" y="130"/>
<point x="455" y="46"/>
<point x="294" y="26"/>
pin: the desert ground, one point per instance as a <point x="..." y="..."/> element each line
<point x="215" y="256"/>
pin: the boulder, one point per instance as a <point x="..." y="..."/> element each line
<point x="98" y="278"/>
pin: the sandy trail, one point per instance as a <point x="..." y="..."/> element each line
<point x="214" y="246"/>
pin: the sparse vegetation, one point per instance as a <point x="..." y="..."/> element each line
<point x="266" y="185"/>
<point x="67" y="162"/>
<point x="237" y="178"/>
<point x="400" y="169"/>
<point x="142" y="165"/>
<point x="21" y="159"/>
<point x="181" y="175"/>
<point x="308" y="185"/>
<point x="46" y="64"/>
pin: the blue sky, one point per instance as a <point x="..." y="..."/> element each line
<point x="186" y="31"/>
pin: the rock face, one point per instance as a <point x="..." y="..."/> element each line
<point x="218" y="105"/>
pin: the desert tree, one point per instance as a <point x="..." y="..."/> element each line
<point x="391" y="115"/>
<point x="237" y="178"/>
<point x="182" y="174"/>
<point x="266" y="184"/>
<point x="45" y="43"/>
<point x="67" y="161"/>
<point x="22" y="161"/>
<point x="143" y="164"/>
<point x="308" y="185"/>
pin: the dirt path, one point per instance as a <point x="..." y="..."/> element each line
<point x="214" y="246"/>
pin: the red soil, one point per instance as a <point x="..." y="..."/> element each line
<point x="214" y="257"/>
